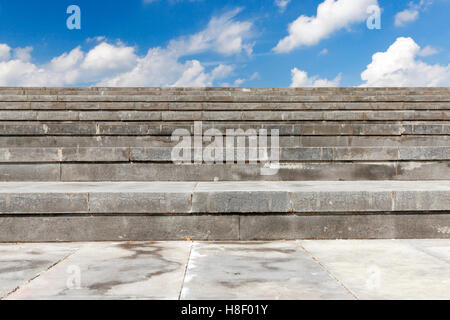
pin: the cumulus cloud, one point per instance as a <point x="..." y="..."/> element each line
<point x="411" y="13"/>
<point x="398" y="66"/>
<point x="23" y="54"/>
<point x="5" y="52"/>
<point x="332" y="15"/>
<point x="117" y="64"/>
<point x="300" y="78"/>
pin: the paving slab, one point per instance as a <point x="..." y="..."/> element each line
<point x="122" y="270"/>
<point x="387" y="269"/>
<point x="257" y="270"/>
<point x="20" y="263"/>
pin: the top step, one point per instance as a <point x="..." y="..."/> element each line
<point x="97" y="94"/>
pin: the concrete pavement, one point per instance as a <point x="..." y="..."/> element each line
<point x="353" y="269"/>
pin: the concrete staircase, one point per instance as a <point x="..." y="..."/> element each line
<point x="87" y="164"/>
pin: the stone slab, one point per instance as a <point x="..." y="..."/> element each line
<point x="257" y="271"/>
<point x="353" y="269"/>
<point x="416" y="269"/>
<point x="123" y="270"/>
<point x="19" y="263"/>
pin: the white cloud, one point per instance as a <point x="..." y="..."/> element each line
<point x="427" y="51"/>
<point x="223" y="35"/>
<point x="282" y="4"/>
<point x="23" y="54"/>
<point x="119" y="65"/>
<point x="398" y="67"/>
<point x="405" y="16"/>
<point x="240" y="81"/>
<point x="332" y="15"/>
<point x="66" y="61"/>
<point x="5" y="52"/>
<point x="300" y="79"/>
<point x="107" y="58"/>
<point x="412" y="13"/>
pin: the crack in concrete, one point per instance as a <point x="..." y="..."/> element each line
<point x="329" y="272"/>
<point x="185" y="270"/>
<point x="40" y="273"/>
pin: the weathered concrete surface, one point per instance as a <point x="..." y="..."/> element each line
<point x="308" y="171"/>
<point x="363" y="269"/>
<point x="118" y="228"/>
<point x="166" y="128"/>
<point x="223" y="227"/>
<point x="20" y="263"/>
<point x="415" y="269"/>
<point x="224" y="197"/>
<point x="248" y="115"/>
<point x="165" y="141"/>
<point x="260" y="271"/>
<point x="350" y="226"/>
<point x="114" y="271"/>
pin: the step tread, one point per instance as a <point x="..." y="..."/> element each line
<point x="212" y="187"/>
<point x="224" y="197"/>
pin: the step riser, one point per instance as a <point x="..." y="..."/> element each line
<point x="165" y="141"/>
<point x="59" y="108"/>
<point x="241" y="97"/>
<point x="313" y="171"/>
<point x="167" y="129"/>
<point x="229" y="227"/>
<point x="340" y="115"/>
<point x="223" y="155"/>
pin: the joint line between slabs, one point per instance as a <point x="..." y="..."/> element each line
<point x="329" y="272"/>
<point x="39" y="274"/>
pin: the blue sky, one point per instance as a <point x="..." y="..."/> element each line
<point x="225" y="43"/>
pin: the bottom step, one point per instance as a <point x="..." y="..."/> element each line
<point x="223" y="227"/>
<point x="58" y="211"/>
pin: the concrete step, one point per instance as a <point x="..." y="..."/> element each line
<point x="165" y="141"/>
<point x="219" y="155"/>
<point x="220" y="90"/>
<point x="291" y="128"/>
<point x="330" y="115"/>
<point x="221" y="106"/>
<point x="142" y="227"/>
<point x="224" y="197"/>
<point x="237" y="98"/>
<point x="152" y="171"/>
<point x="227" y="95"/>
